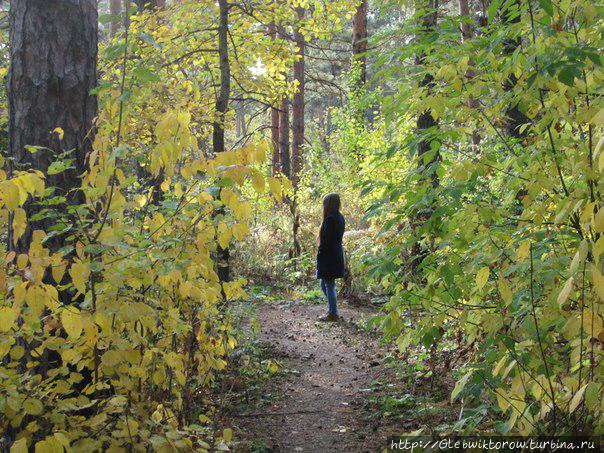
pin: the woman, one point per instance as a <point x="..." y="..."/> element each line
<point x="330" y="257"/>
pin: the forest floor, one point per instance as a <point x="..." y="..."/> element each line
<point x="338" y="388"/>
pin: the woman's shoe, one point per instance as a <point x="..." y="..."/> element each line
<point x="330" y="317"/>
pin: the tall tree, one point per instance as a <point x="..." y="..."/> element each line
<point x="115" y="11"/>
<point x="155" y="182"/>
<point x="284" y="141"/>
<point x="298" y="123"/>
<point x="284" y="157"/>
<point x="274" y="119"/>
<point x="53" y="56"/>
<point x="425" y="123"/>
<point x="467" y="33"/>
<point x="222" y="107"/>
<point x="359" y="39"/>
<point x="298" y="102"/>
<point x="510" y="15"/>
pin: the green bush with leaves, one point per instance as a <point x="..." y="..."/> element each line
<point x="501" y="240"/>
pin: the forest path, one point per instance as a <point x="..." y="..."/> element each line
<point x="323" y="399"/>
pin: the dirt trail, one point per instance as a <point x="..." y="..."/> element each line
<point x="323" y="401"/>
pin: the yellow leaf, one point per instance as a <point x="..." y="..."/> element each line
<point x="17" y="352"/>
<point x="10" y="195"/>
<point x="599" y="221"/>
<point x="577" y="398"/>
<point x="505" y="291"/>
<point x="275" y="187"/>
<point x="49" y="445"/>
<point x="19" y="446"/>
<point x="523" y="250"/>
<point x="72" y="322"/>
<point x="258" y="182"/>
<point x="240" y="230"/>
<point x="499" y="365"/>
<point x="22" y="261"/>
<point x="33" y="406"/>
<point x="592" y="396"/>
<point x="79" y="274"/>
<point x="460" y="385"/>
<point x="19" y="223"/>
<point x="502" y="401"/>
<point x="7" y="318"/>
<point x="243" y="210"/>
<point x="36" y="300"/>
<point x="598" y="118"/>
<point x="598" y="280"/>
<point x="224" y="235"/>
<point x="598" y="249"/>
<point x="227" y="434"/>
<point x="482" y="277"/>
<point x="59" y="132"/>
<point x="563" y="296"/>
<point x="58" y="270"/>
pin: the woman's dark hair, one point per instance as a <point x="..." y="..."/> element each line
<point x="331" y="205"/>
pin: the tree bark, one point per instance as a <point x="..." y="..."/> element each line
<point x="466" y="34"/>
<point x="222" y="107"/>
<point x="298" y="104"/>
<point x="424" y="123"/>
<point x="115" y="10"/>
<point x="425" y="120"/>
<point x="284" y="158"/>
<point x="297" y="125"/>
<point x="53" y="68"/>
<point x="514" y="117"/>
<point x="359" y="39"/>
<point x="274" y="120"/>
<point x="284" y="141"/>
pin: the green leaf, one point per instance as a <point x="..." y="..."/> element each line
<point x="460" y="385"/>
<point x="592" y="396"/>
<point x="574" y="403"/>
<point x="493" y="7"/>
<point x="567" y="76"/>
<point x="34" y="149"/>
<point x="482" y="276"/>
<point x="563" y="296"/>
<point x="145" y="75"/>
<point x="547" y="6"/>
<point x="58" y="167"/>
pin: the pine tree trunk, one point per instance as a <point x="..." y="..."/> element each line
<point x="53" y="56"/>
<point x="298" y="105"/>
<point x="115" y="11"/>
<point x="466" y="34"/>
<point x="297" y="128"/>
<point x="424" y="123"/>
<point x="284" y="157"/>
<point x="515" y="118"/>
<point x="425" y="120"/>
<point x="274" y="119"/>
<point x="359" y="39"/>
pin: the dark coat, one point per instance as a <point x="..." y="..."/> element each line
<point x="330" y="257"/>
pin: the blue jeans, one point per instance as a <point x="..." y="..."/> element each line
<point x="328" y="286"/>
